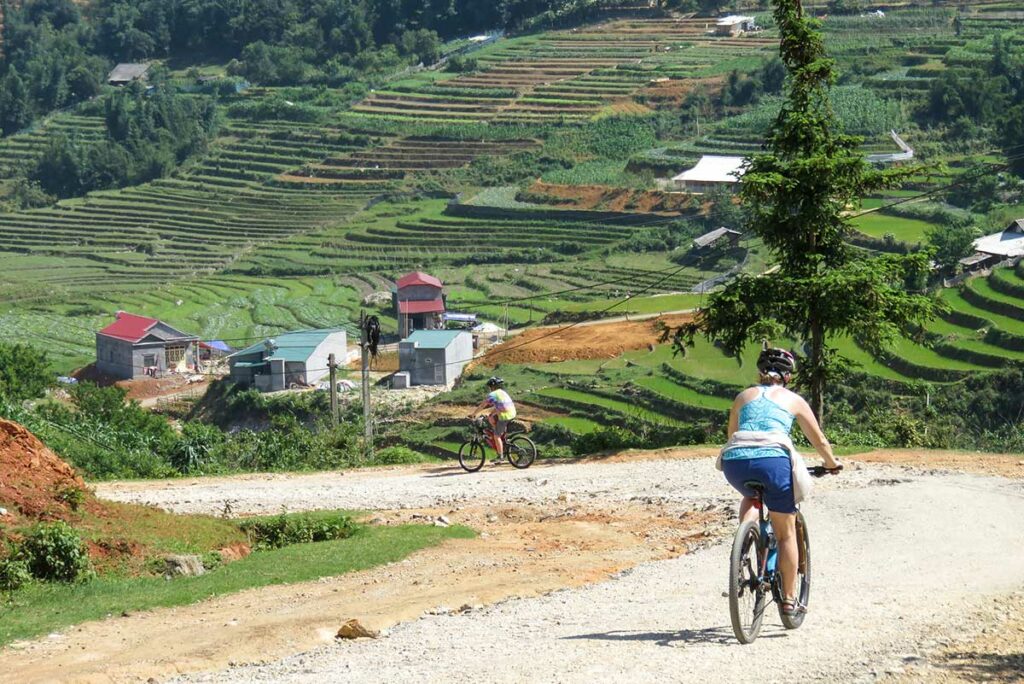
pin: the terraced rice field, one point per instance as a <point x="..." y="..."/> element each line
<point x="564" y="77"/>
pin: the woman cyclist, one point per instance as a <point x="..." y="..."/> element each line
<point x="764" y="415"/>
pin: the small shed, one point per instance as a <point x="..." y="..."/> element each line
<point x="716" y="238"/>
<point x="126" y="73"/>
<point x="288" y="360"/>
<point x="419" y="303"/>
<point x="712" y="171"/>
<point x="1006" y="244"/>
<point x="977" y="262"/>
<point x="135" y="346"/>
<point x="435" y="357"/>
<point x="214" y="349"/>
<point x="734" y="25"/>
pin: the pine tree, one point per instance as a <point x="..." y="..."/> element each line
<point x="796" y="194"/>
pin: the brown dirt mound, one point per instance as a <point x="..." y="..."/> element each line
<point x="34" y="482"/>
<point x="593" y="341"/>
<point x="602" y="197"/>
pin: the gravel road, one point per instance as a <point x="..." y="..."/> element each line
<point x="902" y="559"/>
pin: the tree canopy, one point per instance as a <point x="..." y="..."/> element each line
<point x="795" y="194"/>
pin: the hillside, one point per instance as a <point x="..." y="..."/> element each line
<point x="522" y="171"/>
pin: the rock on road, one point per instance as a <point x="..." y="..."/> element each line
<point x="900" y="559"/>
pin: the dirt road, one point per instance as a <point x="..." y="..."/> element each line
<point x="905" y="561"/>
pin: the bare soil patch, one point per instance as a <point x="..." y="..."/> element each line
<point x="1003" y="465"/>
<point x="37" y="486"/>
<point x="598" y="341"/>
<point x="590" y="197"/>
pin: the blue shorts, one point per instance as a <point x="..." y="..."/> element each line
<point x="774" y="472"/>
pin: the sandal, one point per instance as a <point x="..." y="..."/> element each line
<point x="791" y="607"/>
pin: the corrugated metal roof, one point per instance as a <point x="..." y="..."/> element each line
<point x="418" y="278"/>
<point x="1009" y="244"/>
<point x="714" y="169"/>
<point x="708" y="238"/>
<point x="133" y="328"/>
<point x="128" y="72"/>
<point x="290" y="346"/>
<point x="434" y="339"/>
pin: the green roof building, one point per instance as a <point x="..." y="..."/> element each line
<point x="292" y="359"/>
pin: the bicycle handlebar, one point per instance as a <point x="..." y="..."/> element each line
<point x="822" y="471"/>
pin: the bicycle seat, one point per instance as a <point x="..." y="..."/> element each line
<point x="756" y="485"/>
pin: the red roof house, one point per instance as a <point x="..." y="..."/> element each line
<point x="418" y="278"/>
<point x="419" y="303"/>
<point x="134" y="346"/>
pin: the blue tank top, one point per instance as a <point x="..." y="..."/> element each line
<point x="762" y="415"/>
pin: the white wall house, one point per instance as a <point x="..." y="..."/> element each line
<point x="712" y="171"/>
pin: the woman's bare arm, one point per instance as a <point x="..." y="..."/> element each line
<point x="809" y="425"/>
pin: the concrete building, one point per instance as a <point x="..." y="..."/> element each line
<point x="734" y="25"/>
<point x="126" y="73"/>
<point x="419" y="303"/>
<point x="136" y="346"/>
<point x="435" y="357"/>
<point x="711" y="172"/>
<point x="288" y="360"/>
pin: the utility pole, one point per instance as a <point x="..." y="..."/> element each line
<point x="333" y="367"/>
<point x="367" y="412"/>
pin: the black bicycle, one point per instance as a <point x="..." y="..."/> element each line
<point x="519" y="449"/>
<point x="754" y="574"/>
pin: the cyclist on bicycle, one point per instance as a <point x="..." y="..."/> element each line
<point x="502" y="410"/>
<point x="764" y="415"/>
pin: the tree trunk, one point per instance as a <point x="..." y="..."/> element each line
<point x="817" y="369"/>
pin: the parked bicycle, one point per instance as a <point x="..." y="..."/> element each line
<point x="754" y="573"/>
<point x="519" y="449"/>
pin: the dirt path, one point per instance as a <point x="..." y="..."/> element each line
<point x="929" y="550"/>
<point x="898" y="564"/>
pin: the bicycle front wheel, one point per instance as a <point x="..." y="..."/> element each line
<point x="803" y="574"/>
<point x="471" y="456"/>
<point x="746" y="595"/>
<point x="521" y="451"/>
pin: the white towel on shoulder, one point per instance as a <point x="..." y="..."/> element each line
<point x="757" y="439"/>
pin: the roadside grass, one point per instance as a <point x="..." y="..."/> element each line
<point x="156" y="531"/>
<point x="43" y="608"/>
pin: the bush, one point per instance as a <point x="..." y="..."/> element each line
<point x="301" y="528"/>
<point x="23" y="372"/>
<point x="14" y="573"/>
<point x="191" y="451"/>
<point x="54" y="552"/>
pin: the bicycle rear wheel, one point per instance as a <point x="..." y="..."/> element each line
<point x="471" y="456"/>
<point x="521" y="451"/>
<point x="803" y="573"/>
<point x="746" y="596"/>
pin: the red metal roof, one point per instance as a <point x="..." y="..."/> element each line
<point x="421" y="306"/>
<point x="129" y="327"/>
<point x="418" y="278"/>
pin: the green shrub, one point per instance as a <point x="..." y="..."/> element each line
<point x="14" y="572"/>
<point x="191" y="452"/>
<point x="54" y="552"/>
<point x="298" y="528"/>
<point x="72" y="496"/>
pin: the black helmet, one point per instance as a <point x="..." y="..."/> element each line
<point x="775" y="360"/>
<point x="495" y="382"/>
